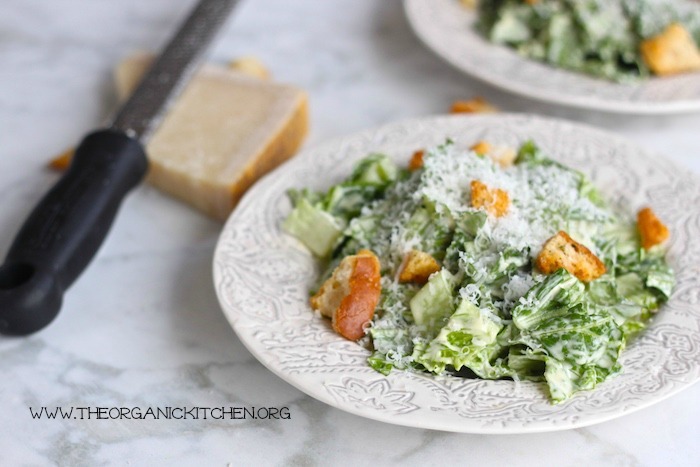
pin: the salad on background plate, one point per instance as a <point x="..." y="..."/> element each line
<point x="623" y="56"/>
<point x="620" y="40"/>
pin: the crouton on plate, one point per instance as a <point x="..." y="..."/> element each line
<point x="482" y="148"/>
<point x="493" y="200"/>
<point x="416" y="161"/>
<point x="651" y="230"/>
<point x="562" y="251"/>
<point x="671" y="52"/>
<point x="351" y="294"/>
<point x="417" y="267"/>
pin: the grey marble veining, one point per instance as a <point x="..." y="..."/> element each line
<point x="143" y="328"/>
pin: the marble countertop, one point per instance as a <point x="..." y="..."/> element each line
<point x="142" y="327"/>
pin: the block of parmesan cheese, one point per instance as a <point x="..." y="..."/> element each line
<point x="225" y="131"/>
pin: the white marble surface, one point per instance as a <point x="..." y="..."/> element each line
<point x="143" y="328"/>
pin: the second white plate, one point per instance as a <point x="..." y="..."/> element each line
<point x="447" y="28"/>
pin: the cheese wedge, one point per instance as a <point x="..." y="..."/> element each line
<point x="226" y="130"/>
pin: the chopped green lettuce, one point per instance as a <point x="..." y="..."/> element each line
<point x="434" y="303"/>
<point x="580" y="342"/>
<point x="316" y="229"/>
<point x="468" y="339"/>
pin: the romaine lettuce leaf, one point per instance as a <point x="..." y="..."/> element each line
<point x="315" y="228"/>
<point x="434" y="303"/>
<point x="580" y="341"/>
<point x="469" y="339"/>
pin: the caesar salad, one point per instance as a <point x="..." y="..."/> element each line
<point x="486" y="262"/>
<point x="620" y="40"/>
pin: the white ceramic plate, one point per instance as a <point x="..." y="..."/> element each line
<point x="447" y="28"/>
<point x="262" y="277"/>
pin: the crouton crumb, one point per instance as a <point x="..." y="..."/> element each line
<point x="62" y="162"/>
<point x="562" y="251"/>
<point x="651" y="230"/>
<point x="493" y="200"/>
<point x="251" y="66"/>
<point x="476" y="105"/>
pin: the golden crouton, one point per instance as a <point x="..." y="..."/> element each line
<point x="562" y="251"/>
<point x="476" y="105"/>
<point x="251" y="66"/>
<point x="351" y="294"/>
<point x="651" y="230"/>
<point x="482" y="148"/>
<point x="417" y="267"/>
<point x="501" y="155"/>
<point x="673" y="51"/>
<point x="493" y="200"/>
<point x="416" y="161"/>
